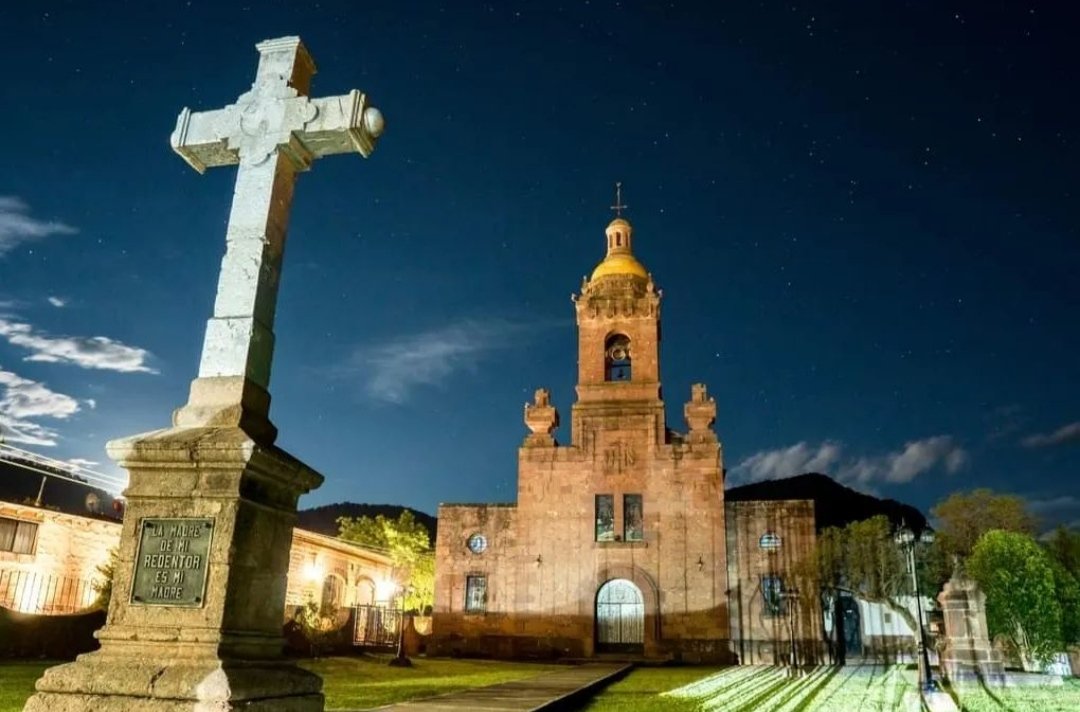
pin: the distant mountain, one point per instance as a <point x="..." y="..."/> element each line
<point x="323" y="520"/>
<point x="20" y="484"/>
<point x="835" y="504"/>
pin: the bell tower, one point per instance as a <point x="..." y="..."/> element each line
<point x="618" y="319"/>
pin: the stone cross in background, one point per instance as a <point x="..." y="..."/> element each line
<point x="198" y="597"/>
<point x="273" y="131"/>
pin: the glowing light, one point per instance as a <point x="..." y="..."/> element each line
<point x="385" y="589"/>
<point x="313" y="572"/>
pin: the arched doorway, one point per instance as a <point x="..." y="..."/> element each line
<point x="620" y="617"/>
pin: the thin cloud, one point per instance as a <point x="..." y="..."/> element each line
<point x="915" y="458"/>
<point x="394" y="369"/>
<point x="93" y="352"/>
<point x="18" y="226"/>
<point x="58" y="302"/>
<point x="900" y="466"/>
<point x="1053" y="512"/>
<point x="787" y="462"/>
<point x="1065" y="435"/>
<point x="23" y="402"/>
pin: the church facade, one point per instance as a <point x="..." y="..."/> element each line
<point x="620" y="541"/>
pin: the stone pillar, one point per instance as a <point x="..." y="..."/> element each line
<point x="198" y="597"/>
<point x="968" y="655"/>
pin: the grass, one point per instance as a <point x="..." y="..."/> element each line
<point x="367" y="681"/>
<point x="1021" y="699"/>
<point x="349" y="683"/>
<point x="17" y="679"/>
<point x="765" y="689"/>
<point x="641" y="691"/>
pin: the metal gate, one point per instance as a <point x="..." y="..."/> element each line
<point x="620" y="616"/>
<point x="376" y="627"/>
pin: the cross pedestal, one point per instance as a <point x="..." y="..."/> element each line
<point x="969" y="656"/>
<point x="198" y="599"/>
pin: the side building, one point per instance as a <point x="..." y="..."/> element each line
<point x="618" y="541"/>
<point x="52" y="556"/>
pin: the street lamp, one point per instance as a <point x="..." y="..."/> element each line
<point x="791" y="595"/>
<point x="401" y="659"/>
<point x="908" y="539"/>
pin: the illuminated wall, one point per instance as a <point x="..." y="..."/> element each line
<point x="59" y="572"/>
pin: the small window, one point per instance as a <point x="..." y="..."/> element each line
<point x="769" y="541"/>
<point x="605" y="517"/>
<point x="475" y="594"/>
<point x="772" y="594"/>
<point x="633" y="521"/>
<point x="888" y="618"/>
<point x="17" y="536"/>
<point x="617" y="366"/>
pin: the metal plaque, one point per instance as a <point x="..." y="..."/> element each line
<point x="172" y="561"/>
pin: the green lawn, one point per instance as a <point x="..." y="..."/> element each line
<point x="17" y="682"/>
<point x="348" y="682"/>
<point x="369" y="682"/>
<point x="764" y="689"/>
<point x="640" y="691"/>
<point x="353" y="683"/>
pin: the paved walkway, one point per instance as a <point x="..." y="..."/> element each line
<point x="543" y="692"/>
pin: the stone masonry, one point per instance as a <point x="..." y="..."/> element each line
<point x="628" y="501"/>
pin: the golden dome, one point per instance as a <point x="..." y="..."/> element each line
<point x="620" y="258"/>
<point x="620" y="264"/>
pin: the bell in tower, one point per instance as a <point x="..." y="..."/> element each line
<point x="618" y="318"/>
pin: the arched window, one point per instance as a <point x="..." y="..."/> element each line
<point x="617" y="358"/>
<point x="332" y="589"/>
<point x="365" y="592"/>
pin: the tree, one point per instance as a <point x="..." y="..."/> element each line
<point x="1067" y="592"/>
<point x="1017" y="577"/>
<point x="963" y="517"/>
<point x="408" y="545"/>
<point x="1064" y="547"/>
<point x="103" y="586"/>
<point x="863" y="559"/>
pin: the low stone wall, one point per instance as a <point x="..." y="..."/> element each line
<point x="24" y="635"/>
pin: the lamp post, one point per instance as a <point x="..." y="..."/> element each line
<point x="909" y="540"/>
<point x="791" y="595"/>
<point x="401" y="659"/>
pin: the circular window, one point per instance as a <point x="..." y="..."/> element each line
<point x="477" y="543"/>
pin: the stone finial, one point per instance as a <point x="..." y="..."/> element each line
<point x="700" y="413"/>
<point x="542" y="419"/>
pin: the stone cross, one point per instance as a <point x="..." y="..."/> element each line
<point x="273" y="131"/>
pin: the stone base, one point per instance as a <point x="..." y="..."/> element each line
<point x="111" y="685"/>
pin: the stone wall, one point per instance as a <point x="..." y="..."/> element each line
<point x="544" y="566"/>
<point x="72" y="547"/>
<point x="362" y="576"/>
<point x="772" y="539"/>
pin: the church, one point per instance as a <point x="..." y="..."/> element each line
<point x="620" y="541"/>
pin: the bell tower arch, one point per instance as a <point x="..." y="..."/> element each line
<point x="618" y="320"/>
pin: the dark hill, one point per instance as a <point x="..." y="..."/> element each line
<point x="323" y="520"/>
<point x="20" y="485"/>
<point x="835" y="504"/>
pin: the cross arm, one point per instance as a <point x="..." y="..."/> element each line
<point x="342" y="124"/>
<point x="197" y="140"/>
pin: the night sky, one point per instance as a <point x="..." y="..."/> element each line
<point x="863" y="217"/>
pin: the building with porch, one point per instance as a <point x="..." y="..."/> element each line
<point x="619" y="541"/>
